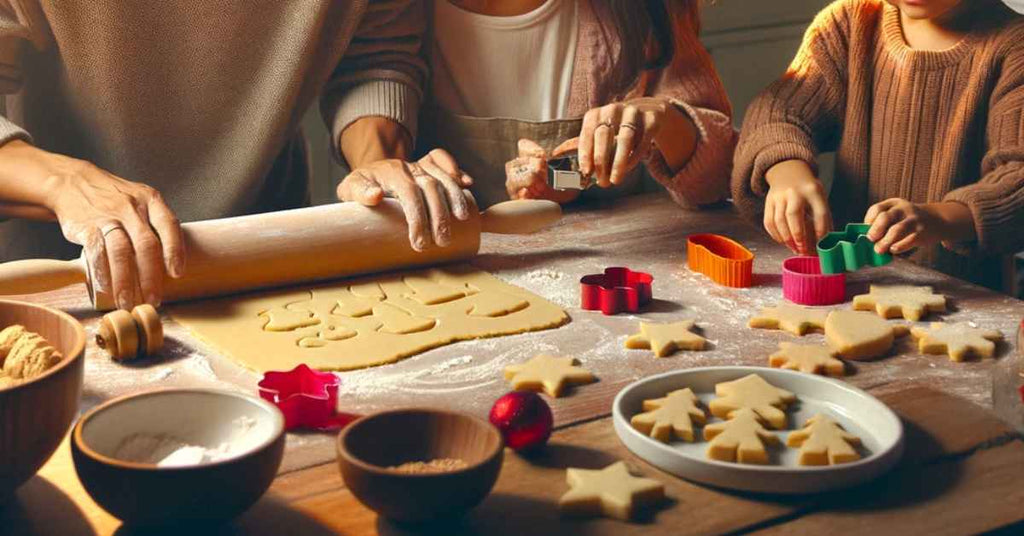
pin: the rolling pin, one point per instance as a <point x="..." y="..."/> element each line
<point x="274" y="249"/>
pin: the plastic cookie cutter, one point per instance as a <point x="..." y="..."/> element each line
<point x="722" y="259"/>
<point x="803" y="282"/>
<point x="307" y="398"/>
<point x="849" y="250"/>
<point x="617" y="289"/>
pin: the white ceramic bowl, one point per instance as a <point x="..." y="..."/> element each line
<point x="879" y="429"/>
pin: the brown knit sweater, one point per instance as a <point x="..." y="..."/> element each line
<point x="924" y="126"/>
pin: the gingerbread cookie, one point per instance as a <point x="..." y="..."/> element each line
<point x="547" y="373"/>
<point x="752" y="392"/>
<point x="666" y="339"/>
<point x="809" y="358"/>
<point x="958" y="340"/>
<point x="670" y="416"/>
<point x="897" y="301"/>
<point x="611" y="491"/>
<point x="860" y="335"/>
<point x="740" y="439"/>
<point x="792" y="318"/>
<point x="823" y="441"/>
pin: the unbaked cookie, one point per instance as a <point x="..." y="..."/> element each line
<point x="31" y="356"/>
<point x="809" y="358"/>
<point x="895" y="301"/>
<point x="670" y="416"/>
<point x="792" y="318"/>
<point x="611" y="491"/>
<point x="9" y="336"/>
<point x="823" y="441"/>
<point x="958" y="340"/>
<point x="547" y="373"/>
<point x="666" y="339"/>
<point x="752" y="392"/>
<point x="740" y="439"/>
<point x="860" y="335"/>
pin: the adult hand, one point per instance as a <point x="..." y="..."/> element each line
<point x="796" y="211"/>
<point x="430" y="191"/>
<point x="618" y="136"/>
<point x="526" y="176"/>
<point x="897" y="225"/>
<point x="130" y="236"/>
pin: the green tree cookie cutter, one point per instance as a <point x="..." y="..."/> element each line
<point x="849" y="250"/>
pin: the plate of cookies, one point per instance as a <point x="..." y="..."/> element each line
<point x="758" y="429"/>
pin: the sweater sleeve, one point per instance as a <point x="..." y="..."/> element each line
<point x="691" y="83"/>
<point x="797" y="115"/>
<point x="997" y="200"/>
<point x="15" y="34"/>
<point x="381" y="73"/>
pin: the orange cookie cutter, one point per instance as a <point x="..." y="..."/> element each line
<point x="721" y="258"/>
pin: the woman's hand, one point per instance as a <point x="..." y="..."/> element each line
<point x="130" y="236"/>
<point x="897" y="225"/>
<point x="526" y="176"/>
<point x="430" y="191"/>
<point x="796" y="211"/>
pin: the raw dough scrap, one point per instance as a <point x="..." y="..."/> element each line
<point x="666" y="339"/>
<point x="344" y="338"/>
<point x="823" y="441"/>
<point x="860" y="335"/>
<point x="792" y="318"/>
<point x="958" y="340"/>
<point x="740" y="439"/>
<point x="670" y="416"/>
<point x="30" y="356"/>
<point x="897" y="301"/>
<point x="809" y="358"/>
<point x="547" y="373"/>
<point x="752" y="392"/>
<point x="611" y="491"/>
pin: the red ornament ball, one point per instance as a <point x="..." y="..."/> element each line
<point x="524" y="419"/>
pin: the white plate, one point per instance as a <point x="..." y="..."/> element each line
<point x="879" y="429"/>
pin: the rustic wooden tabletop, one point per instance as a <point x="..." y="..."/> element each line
<point x="961" y="472"/>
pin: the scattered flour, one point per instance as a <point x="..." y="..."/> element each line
<point x="170" y="451"/>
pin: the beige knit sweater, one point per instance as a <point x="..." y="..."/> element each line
<point x="920" y="125"/>
<point x="200" y="99"/>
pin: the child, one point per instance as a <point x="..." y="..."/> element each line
<point x="923" y="100"/>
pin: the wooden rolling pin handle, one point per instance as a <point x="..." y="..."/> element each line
<point x="40" y="275"/>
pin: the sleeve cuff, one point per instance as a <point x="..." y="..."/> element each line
<point x="997" y="209"/>
<point x="772" y="144"/>
<point x="10" y="132"/>
<point x="390" y="99"/>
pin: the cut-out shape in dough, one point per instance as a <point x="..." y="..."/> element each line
<point x="895" y="301"/>
<point x="792" y="318"/>
<point x="740" y="439"/>
<point x="809" y="358"/>
<point x="426" y="291"/>
<point x="670" y="416"/>
<point x="351" y="305"/>
<point x="752" y="392"/>
<point x="611" y="491"/>
<point x="957" y="340"/>
<point x="860" y="335"/>
<point x="495" y="304"/>
<point x="823" y="441"/>
<point x="369" y="291"/>
<point x="287" y="319"/>
<point x="399" y="322"/>
<point x="666" y="339"/>
<point x="547" y="373"/>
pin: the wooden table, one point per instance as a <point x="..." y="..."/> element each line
<point x="962" y="472"/>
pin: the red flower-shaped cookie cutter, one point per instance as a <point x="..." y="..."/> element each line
<point x="617" y="289"/>
<point x="307" y="398"/>
<point x="721" y="258"/>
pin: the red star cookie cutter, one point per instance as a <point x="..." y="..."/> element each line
<point x="617" y="289"/>
<point x="307" y="398"/>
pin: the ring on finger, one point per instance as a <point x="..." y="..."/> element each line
<point x="109" y="228"/>
<point x="630" y="126"/>
<point x="606" y="124"/>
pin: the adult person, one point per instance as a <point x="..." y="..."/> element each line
<point x="513" y="79"/>
<point x="124" y="118"/>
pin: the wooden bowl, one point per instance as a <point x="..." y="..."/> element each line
<point x="372" y="444"/>
<point x="35" y="415"/>
<point x="145" y="494"/>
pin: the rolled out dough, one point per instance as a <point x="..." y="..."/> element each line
<point x="370" y="321"/>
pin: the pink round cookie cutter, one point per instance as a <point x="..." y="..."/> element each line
<point x="804" y="284"/>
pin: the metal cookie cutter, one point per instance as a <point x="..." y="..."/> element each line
<point x="564" y="173"/>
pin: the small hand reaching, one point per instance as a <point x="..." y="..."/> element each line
<point x="796" y="211"/>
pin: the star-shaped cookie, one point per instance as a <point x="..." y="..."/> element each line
<point x="753" y="392"/>
<point x="547" y="373"/>
<point x="670" y="416"/>
<point x="611" y="491"/>
<point x="792" y="318"/>
<point x="666" y="339"/>
<point x="809" y="358"/>
<point x="740" y="439"/>
<point x="895" y="301"/>
<point x="958" y="340"/>
<point x="823" y="441"/>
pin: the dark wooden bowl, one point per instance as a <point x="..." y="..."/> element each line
<point x="143" y="494"/>
<point x="369" y="446"/>
<point x="35" y="415"/>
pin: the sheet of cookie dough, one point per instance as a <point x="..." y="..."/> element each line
<point x="370" y="321"/>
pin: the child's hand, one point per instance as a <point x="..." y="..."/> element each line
<point x="796" y="210"/>
<point x="897" y="225"/>
<point x="526" y="176"/>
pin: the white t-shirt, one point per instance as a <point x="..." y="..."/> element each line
<point x="518" y="67"/>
